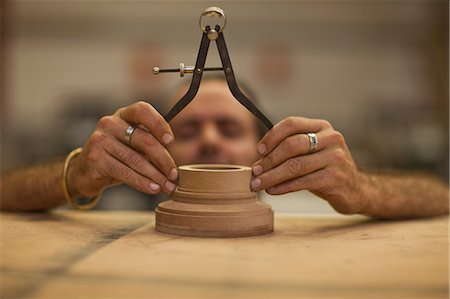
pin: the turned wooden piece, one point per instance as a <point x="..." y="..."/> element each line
<point x="214" y="200"/>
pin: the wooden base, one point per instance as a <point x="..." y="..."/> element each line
<point x="214" y="201"/>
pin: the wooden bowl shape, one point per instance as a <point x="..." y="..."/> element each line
<point x="214" y="200"/>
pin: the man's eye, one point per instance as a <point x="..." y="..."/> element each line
<point x="186" y="133"/>
<point x="231" y="131"/>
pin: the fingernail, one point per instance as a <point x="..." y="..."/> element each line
<point x="173" y="174"/>
<point x="262" y="148"/>
<point x="255" y="184"/>
<point x="167" y="138"/>
<point x="170" y="186"/>
<point x="154" y="187"/>
<point x="257" y="170"/>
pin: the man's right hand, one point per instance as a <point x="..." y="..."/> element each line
<point x="107" y="159"/>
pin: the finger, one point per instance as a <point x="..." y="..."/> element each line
<point x="121" y="172"/>
<point x="143" y="113"/>
<point x="292" y="168"/>
<point x="145" y="143"/>
<point x="312" y="181"/>
<point x="287" y="127"/>
<point x="293" y="146"/>
<point x="138" y="163"/>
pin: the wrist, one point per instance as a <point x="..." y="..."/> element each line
<point x="72" y="178"/>
<point x="68" y="186"/>
<point x="368" y="195"/>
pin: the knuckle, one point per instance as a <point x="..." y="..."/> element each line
<point x="336" y="174"/>
<point x="139" y="113"/>
<point x="119" y="111"/>
<point x="296" y="166"/>
<point x="155" y="122"/>
<point x="268" y="161"/>
<point x="126" y="174"/>
<point x="139" y="110"/>
<point x="158" y="125"/>
<point x="105" y="122"/>
<point x="141" y="105"/>
<point x="290" y="145"/>
<point x="337" y="155"/>
<point x="131" y="158"/>
<point x="97" y="138"/>
<point x="325" y="124"/>
<point x="149" y="141"/>
<point x="93" y="155"/>
<point x="290" y="121"/>
<point x="338" y="138"/>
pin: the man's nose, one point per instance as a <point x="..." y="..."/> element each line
<point x="210" y="134"/>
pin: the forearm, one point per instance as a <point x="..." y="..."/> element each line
<point x="404" y="195"/>
<point x="33" y="188"/>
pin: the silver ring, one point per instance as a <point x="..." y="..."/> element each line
<point x="313" y="142"/>
<point x="128" y="133"/>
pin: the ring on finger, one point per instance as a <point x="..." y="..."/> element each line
<point x="313" y="142"/>
<point x="128" y="133"/>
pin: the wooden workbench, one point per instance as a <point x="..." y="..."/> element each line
<point x="70" y="254"/>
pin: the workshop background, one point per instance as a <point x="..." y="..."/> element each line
<point x="377" y="70"/>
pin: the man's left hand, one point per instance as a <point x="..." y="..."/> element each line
<point x="287" y="164"/>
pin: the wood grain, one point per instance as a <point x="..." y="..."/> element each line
<point x="214" y="201"/>
<point x="69" y="254"/>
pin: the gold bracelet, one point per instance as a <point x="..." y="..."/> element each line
<point x="69" y="200"/>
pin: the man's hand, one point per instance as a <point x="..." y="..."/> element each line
<point x="329" y="172"/>
<point x="144" y="164"/>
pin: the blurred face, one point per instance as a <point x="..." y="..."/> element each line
<point x="214" y="129"/>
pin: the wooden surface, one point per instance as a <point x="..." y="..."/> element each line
<point x="69" y="254"/>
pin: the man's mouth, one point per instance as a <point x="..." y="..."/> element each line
<point x="213" y="160"/>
